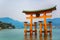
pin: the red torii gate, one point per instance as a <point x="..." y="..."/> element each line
<point x="37" y="13"/>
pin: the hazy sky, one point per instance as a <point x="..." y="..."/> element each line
<point x="13" y="8"/>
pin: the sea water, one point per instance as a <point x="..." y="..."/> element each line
<point x="18" y="34"/>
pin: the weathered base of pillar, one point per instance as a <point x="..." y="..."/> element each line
<point x="25" y="32"/>
<point x="40" y="35"/>
<point x="50" y="33"/>
<point x="45" y="32"/>
<point x="31" y="32"/>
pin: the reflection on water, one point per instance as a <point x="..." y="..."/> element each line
<point x="30" y="37"/>
<point x="38" y="37"/>
<point x="46" y="37"/>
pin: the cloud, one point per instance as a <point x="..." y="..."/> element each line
<point x="14" y="8"/>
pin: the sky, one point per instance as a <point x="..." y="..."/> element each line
<point x="13" y="8"/>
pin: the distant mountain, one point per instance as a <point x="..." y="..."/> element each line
<point x="55" y="21"/>
<point x="17" y="24"/>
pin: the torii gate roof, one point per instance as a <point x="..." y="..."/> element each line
<point x="48" y="10"/>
